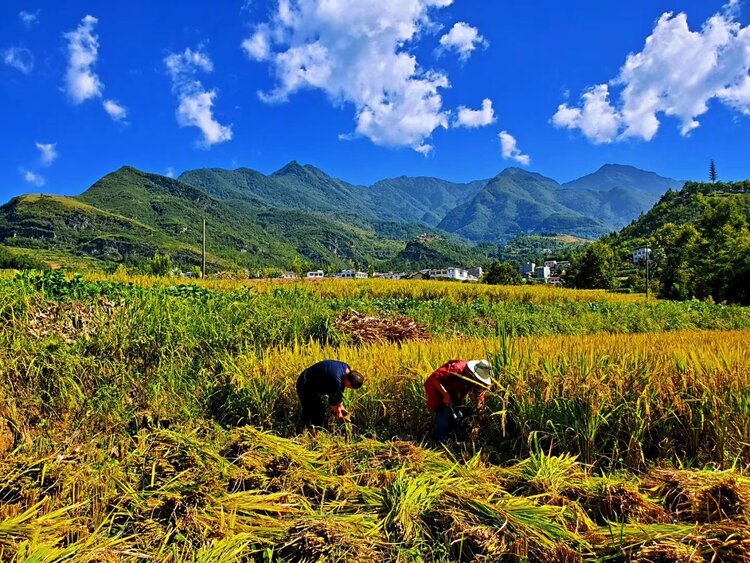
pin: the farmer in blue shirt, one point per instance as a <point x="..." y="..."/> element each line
<point x="328" y="378"/>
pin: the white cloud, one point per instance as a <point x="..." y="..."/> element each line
<point x="19" y="58"/>
<point x="195" y="102"/>
<point x="48" y="153"/>
<point x="596" y="118"/>
<point x="510" y="149"/>
<point x="678" y="73"/>
<point x="81" y="82"/>
<point x="463" y="39"/>
<point x="170" y="172"/>
<point x="115" y="110"/>
<point x="357" y="53"/>
<point x="33" y="179"/>
<point x="29" y="18"/>
<point x="258" y="45"/>
<point x="475" y="118"/>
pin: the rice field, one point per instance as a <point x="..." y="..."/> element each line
<point x="143" y="420"/>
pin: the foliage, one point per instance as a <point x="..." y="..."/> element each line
<point x="593" y="267"/>
<point x="502" y="273"/>
<point x="701" y="238"/>
<point x="159" y="265"/>
<point x="434" y="253"/>
<point x="17" y="261"/>
<point x="538" y="249"/>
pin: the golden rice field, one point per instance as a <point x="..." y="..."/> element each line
<point x="141" y="420"/>
<point x="410" y="289"/>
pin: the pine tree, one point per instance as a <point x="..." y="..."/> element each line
<point x="712" y="172"/>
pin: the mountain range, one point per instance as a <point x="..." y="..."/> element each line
<point x="301" y="213"/>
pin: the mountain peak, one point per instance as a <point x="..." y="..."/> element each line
<point x="514" y="171"/>
<point x="293" y="167"/>
<point x="520" y="175"/>
<point x="612" y="176"/>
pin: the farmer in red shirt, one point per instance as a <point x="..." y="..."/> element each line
<point x="447" y="388"/>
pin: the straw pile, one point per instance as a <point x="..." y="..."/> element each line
<point x="69" y="321"/>
<point x="369" y="329"/>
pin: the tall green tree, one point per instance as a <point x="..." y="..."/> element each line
<point x="593" y="267"/>
<point x="712" y="172"/>
<point x="159" y="265"/>
<point x="674" y="258"/>
<point x="502" y="273"/>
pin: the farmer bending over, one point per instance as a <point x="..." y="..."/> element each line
<point x="447" y="388"/>
<point x="326" y="378"/>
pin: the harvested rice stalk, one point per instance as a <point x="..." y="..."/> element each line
<point x="70" y="321"/>
<point x="702" y="496"/>
<point x="364" y="328"/>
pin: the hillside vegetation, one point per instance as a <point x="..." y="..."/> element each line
<point x="701" y="241"/>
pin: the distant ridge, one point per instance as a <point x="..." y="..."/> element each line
<point x="301" y="214"/>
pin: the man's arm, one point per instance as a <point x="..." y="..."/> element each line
<point x="480" y="404"/>
<point x="435" y="380"/>
<point x="336" y="397"/>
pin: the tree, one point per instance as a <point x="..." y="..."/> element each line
<point x="502" y="273"/>
<point x="676" y="249"/>
<point x="593" y="267"/>
<point x="712" y="172"/>
<point x="159" y="265"/>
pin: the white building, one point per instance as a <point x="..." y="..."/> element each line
<point x="351" y="275"/>
<point x="448" y="274"/>
<point x="388" y="275"/>
<point x="290" y="276"/>
<point x="316" y="274"/>
<point x="555" y="267"/>
<point x="542" y="273"/>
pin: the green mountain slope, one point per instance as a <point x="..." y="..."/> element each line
<point x="515" y="202"/>
<point x="431" y="252"/>
<point x="128" y="215"/>
<point x="616" y="207"/>
<point x="307" y="188"/>
<point x="519" y="202"/>
<point x="686" y="206"/>
<point x="303" y="188"/>
<point x="423" y="199"/>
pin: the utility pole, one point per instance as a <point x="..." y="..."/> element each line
<point x="646" y="251"/>
<point x="648" y="265"/>
<point x="203" y="253"/>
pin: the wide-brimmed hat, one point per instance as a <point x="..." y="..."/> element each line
<point x="481" y="370"/>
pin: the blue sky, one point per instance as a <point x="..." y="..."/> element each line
<point x="86" y="87"/>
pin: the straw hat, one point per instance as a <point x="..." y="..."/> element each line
<point x="481" y="370"/>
